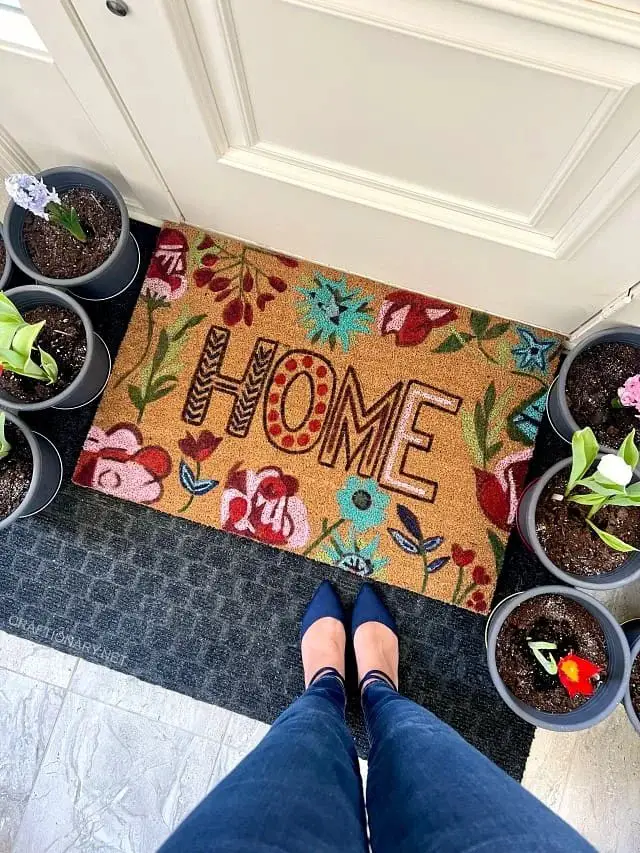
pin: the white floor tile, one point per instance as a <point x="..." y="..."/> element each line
<point x="156" y="703"/>
<point x="28" y="711"/>
<point x="243" y="733"/>
<point x="113" y="781"/>
<point x="35" y="660"/>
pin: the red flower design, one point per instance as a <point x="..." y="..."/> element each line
<point x="477" y="602"/>
<point x="264" y="505"/>
<point x="167" y="274"/>
<point x="199" y="448"/>
<point x="498" y="493"/>
<point x="116" y="463"/>
<point x="575" y="675"/>
<point x="481" y="576"/>
<point x="411" y="317"/>
<point x="461" y="557"/>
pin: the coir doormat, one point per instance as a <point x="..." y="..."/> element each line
<point x="380" y="431"/>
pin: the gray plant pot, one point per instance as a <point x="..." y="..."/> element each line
<point x="8" y="264"/>
<point x="93" y="376"/>
<point x="107" y="280"/>
<point x="557" y="407"/>
<point x="605" y="700"/>
<point x="46" y="478"/>
<point x="632" y="633"/>
<point x="526" y="522"/>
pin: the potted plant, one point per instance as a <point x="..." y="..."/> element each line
<point x="632" y="695"/>
<point x="30" y="470"/>
<point x="587" y="389"/>
<point x="557" y="657"/>
<point x="6" y="267"/>
<point x="582" y="517"/>
<point x="69" y="227"/>
<point x="49" y="353"/>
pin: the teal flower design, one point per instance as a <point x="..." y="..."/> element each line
<point x="531" y="352"/>
<point x="363" y="503"/>
<point x="331" y="311"/>
<point x="354" y="555"/>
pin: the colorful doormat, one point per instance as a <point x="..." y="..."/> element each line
<point x="379" y="431"/>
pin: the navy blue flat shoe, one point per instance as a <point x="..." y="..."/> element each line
<point x="369" y="608"/>
<point x="325" y="602"/>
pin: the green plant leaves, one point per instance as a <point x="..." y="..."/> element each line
<point x="584" y="449"/>
<point x="548" y="662"/>
<point x="611" y="540"/>
<point x="49" y="365"/>
<point x="628" y="450"/>
<point x="5" y="447"/>
<point x="17" y="341"/>
<point x="68" y="218"/>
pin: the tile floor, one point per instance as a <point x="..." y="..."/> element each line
<point x="93" y="760"/>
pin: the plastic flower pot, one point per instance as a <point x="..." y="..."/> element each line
<point x="626" y="573"/>
<point x="110" y="278"/>
<point x="46" y="477"/>
<point x="605" y="699"/>
<point x="558" y="411"/>
<point x="8" y="264"/>
<point x="632" y="633"/>
<point x="94" y="373"/>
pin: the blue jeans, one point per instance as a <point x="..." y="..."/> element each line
<point x="300" y="791"/>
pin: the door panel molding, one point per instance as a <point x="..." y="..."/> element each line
<point x="13" y="158"/>
<point x="223" y="90"/>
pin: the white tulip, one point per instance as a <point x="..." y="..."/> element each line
<point x="614" y="468"/>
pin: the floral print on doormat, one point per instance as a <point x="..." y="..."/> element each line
<point x="384" y="432"/>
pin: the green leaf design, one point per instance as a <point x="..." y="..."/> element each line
<point x="628" y="450"/>
<point x="502" y="352"/>
<point x="584" y="449"/>
<point x="480" y="425"/>
<point x="611" y="540"/>
<point x="496" y="331"/>
<point x="470" y="438"/>
<point x="189" y="324"/>
<point x="489" y="399"/>
<point x="479" y="322"/>
<point x="161" y="348"/>
<point x="497" y="546"/>
<point x="135" y="396"/>
<point x="493" y="449"/>
<point x="161" y="392"/>
<point x="163" y="379"/>
<point x="450" y="344"/>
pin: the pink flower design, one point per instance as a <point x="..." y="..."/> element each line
<point x="263" y="505"/>
<point x="167" y="274"/>
<point x="116" y="463"/>
<point x="629" y="393"/>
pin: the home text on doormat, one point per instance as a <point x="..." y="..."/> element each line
<point x="384" y="432"/>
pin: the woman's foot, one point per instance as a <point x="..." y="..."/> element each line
<point x="323" y="635"/>
<point x="375" y="637"/>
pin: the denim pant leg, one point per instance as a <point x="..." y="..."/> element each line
<point x="429" y="790"/>
<point x="298" y="791"/>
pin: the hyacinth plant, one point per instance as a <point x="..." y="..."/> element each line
<point x="5" y="447"/>
<point x="17" y="342"/>
<point x="609" y="485"/>
<point x="34" y="195"/>
<point x="628" y="394"/>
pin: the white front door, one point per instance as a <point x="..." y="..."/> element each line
<point x="486" y="152"/>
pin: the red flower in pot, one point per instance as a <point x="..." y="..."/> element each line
<point x="411" y="317"/>
<point x="498" y="493"/>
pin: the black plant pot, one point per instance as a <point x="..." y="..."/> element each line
<point x="558" y="410"/>
<point x="626" y="573"/>
<point x="107" y="280"/>
<point x="95" y="371"/>
<point x="5" y="277"/>
<point x="46" y="477"/>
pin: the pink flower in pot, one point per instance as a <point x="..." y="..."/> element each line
<point x="116" y="462"/>
<point x="629" y="393"/>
